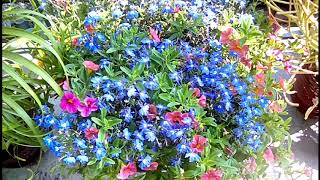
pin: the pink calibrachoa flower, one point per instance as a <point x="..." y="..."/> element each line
<point x="275" y="107"/>
<point x="260" y="79"/>
<point x="65" y="85"/>
<point x="235" y="46"/>
<point x="275" y="53"/>
<point x="75" y="42"/>
<point x="262" y="67"/>
<point x="226" y="35"/>
<point x="288" y="66"/>
<point x="89" y="29"/>
<point x="202" y="101"/>
<point x="152" y="112"/>
<point x="153" y="166"/>
<point x="212" y="174"/>
<point x="91" y="133"/>
<point x="282" y="84"/>
<point x="89" y="105"/>
<point x="176" y="117"/>
<point x="196" y="92"/>
<point x="127" y="171"/>
<point x="154" y="35"/>
<point x="198" y="143"/>
<point x="268" y="156"/>
<point x="251" y="165"/>
<point x="91" y="66"/>
<point x="70" y="102"/>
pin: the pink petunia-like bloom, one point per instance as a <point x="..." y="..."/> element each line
<point x="176" y="117"/>
<point x="260" y="79"/>
<point x="251" y="165"/>
<point x="212" y="174"/>
<point x="268" y="156"/>
<point x="154" y="35"/>
<point x="275" y="107"/>
<point x="196" y="92"/>
<point x="91" y="66"/>
<point x="127" y="171"/>
<point x="91" y="133"/>
<point x="152" y="112"/>
<point x="153" y="166"/>
<point x="275" y="53"/>
<point x="89" y="105"/>
<point x="70" y="102"/>
<point x="202" y="101"/>
<point x="198" y="143"/>
<point x="65" y="85"/>
<point x="235" y="46"/>
<point x="226" y="35"/>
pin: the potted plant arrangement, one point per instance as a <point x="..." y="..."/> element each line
<point x="304" y="67"/>
<point x="161" y="90"/>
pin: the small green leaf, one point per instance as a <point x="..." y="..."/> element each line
<point x="173" y="104"/>
<point x="111" y="50"/>
<point x="109" y="161"/>
<point x="97" y="121"/>
<point x="92" y="162"/>
<point x="101" y="135"/>
<point x="209" y="121"/>
<point x="165" y="96"/>
<point x="126" y="70"/>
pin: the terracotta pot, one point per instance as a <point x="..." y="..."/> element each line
<point x="30" y="154"/>
<point x="307" y="88"/>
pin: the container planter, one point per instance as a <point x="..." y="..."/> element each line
<point x="307" y="89"/>
<point x="30" y="154"/>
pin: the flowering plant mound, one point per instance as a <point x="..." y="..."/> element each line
<point x="150" y="96"/>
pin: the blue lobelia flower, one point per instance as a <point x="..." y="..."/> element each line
<point x="145" y="162"/>
<point x="100" y="153"/>
<point x="144" y="110"/>
<point x="132" y="15"/>
<point x="143" y="95"/>
<point x="150" y="136"/>
<point x="64" y="124"/>
<point x="83" y="159"/>
<point x="132" y="91"/>
<point x="126" y="134"/>
<point x="176" y="76"/>
<point x="175" y="161"/>
<point x="80" y="143"/>
<point x="167" y="10"/>
<point x="127" y="114"/>
<point x="138" y="145"/>
<point x="83" y="125"/>
<point x="237" y="133"/>
<point x="101" y="37"/>
<point x="183" y="148"/>
<point x="116" y="14"/>
<point x="193" y="157"/>
<point x="70" y="161"/>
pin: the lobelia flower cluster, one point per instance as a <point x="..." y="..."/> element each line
<point x="127" y="121"/>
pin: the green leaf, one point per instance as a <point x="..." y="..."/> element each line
<point x="113" y="122"/>
<point x="33" y="37"/>
<point x="209" y="121"/>
<point x="171" y="104"/>
<point x="126" y="70"/>
<point x="165" y="96"/>
<point x="10" y="71"/>
<point x="19" y="110"/>
<point x="97" y="121"/>
<point x="109" y="161"/>
<point x="138" y="69"/>
<point x="34" y="68"/>
<point x="111" y="50"/>
<point x="101" y="135"/>
<point x="92" y="162"/>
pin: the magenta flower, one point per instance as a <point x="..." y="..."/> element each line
<point x="268" y="156"/>
<point x="153" y="166"/>
<point x="127" y="171"/>
<point x="154" y="35"/>
<point x="202" y="101"/>
<point x="91" y="66"/>
<point x="89" y="105"/>
<point x="198" y="143"/>
<point x="69" y="102"/>
<point x="65" y="85"/>
<point x="212" y="174"/>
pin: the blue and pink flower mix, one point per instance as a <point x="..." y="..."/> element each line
<point x="146" y="126"/>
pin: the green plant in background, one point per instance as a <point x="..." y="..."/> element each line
<point x="26" y="83"/>
<point x="304" y="14"/>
